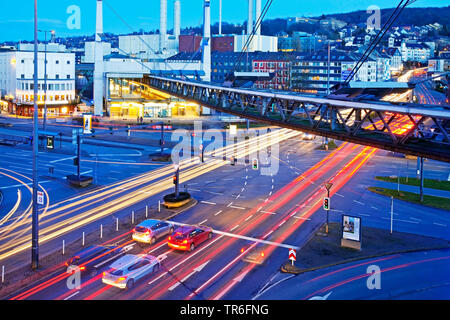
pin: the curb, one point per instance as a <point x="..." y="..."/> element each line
<point x="298" y="271"/>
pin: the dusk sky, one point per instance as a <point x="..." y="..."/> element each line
<point x="17" y="23"/>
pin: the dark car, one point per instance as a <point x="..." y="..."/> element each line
<point x="189" y="237"/>
<point x="93" y="257"/>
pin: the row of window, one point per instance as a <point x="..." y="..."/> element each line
<point x="64" y="97"/>
<point x="46" y="61"/>
<point x="50" y="86"/>
<point x="57" y="76"/>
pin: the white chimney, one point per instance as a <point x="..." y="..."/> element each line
<point x="176" y="17"/>
<point x="220" y="17"/>
<point x="98" y="59"/>
<point x="258" y="14"/>
<point x="250" y="17"/>
<point x="206" y="45"/>
<point x="162" y="24"/>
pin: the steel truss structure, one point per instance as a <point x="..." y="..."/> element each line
<point x="424" y="132"/>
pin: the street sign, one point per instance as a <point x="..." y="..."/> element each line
<point x="255" y="165"/>
<point x="326" y="203"/>
<point x="87" y="123"/>
<point x="40" y="197"/>
<point x="292" y="255"/>
<point x="233" y="129"/>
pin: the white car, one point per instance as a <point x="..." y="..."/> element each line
<point x="124" y="272"/>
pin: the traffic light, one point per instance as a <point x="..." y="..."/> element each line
<point x="175" y="179"/>
<point x="50" y="142"/>
<point x="326" y="203"/>
<point x="255" y="164"/>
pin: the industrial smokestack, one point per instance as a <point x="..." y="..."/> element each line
<point x="98" y="58"/>
<point x="258" y="14"/>
<point x="206" y="45"/>
<point x="250" y="17"/>
<point x="220" y="17"/>
<point x="162" y="24"/>
<point x="176" y="17"/>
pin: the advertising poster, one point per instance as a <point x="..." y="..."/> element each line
<point x="351" y="228"/>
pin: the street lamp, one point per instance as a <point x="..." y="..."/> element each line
<point x="328" y="186"/>
<point x="45" y="75"/>
<point x="35" y="208"/>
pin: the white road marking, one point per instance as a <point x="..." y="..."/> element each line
<point x="203" y="222"/>
<point x="297" y="217"/>
<point x="358" y="202"/>
<point x="218" y="212"/>
<point x="440" y="224"/>
<point x="63" y="159"/>
<point x="198" y="269"/>
<point x="207" y="202"/>
<point x="236" y="207"/>
<point x="400" y="220"/>
<point x="72" y="295"/>
<point x="248" y="218"/>
<point x="340" y="195"/>
<point x="269" y="212"/>
<point x="234" y="227"/>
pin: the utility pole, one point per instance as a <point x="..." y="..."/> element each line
<point x="328" y="77"/>
<point x="421" y="179"/>
<point x="392" y="212"/>
<point x="35" y="210"/>
<point x="45" y="76"/>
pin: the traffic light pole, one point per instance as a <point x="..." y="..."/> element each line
<point x="328" y="211"/>
<point x="177" y="175"/>
<point x="78" y="155"/>
<point x="35" y="209"/>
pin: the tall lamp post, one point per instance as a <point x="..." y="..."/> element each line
<point x="45" y="76"/>
<point x="35" y="209"/>
<point x="328" y="185"/>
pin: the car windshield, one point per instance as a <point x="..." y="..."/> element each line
<point x="140" y="229"/>
<point x="116" y="272"/>
<point x="180" y="236"/>
<point x="73" y="261"/>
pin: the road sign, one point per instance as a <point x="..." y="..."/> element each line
<point x="40" y="197"/>
<point x="292" y="255"/>
<point x="326" y="203"/>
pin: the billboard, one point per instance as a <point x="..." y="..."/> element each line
<point x="351" y="228"/>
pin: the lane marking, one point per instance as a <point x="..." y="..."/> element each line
<point x="236" y="207"/>
<point x="440" y="224"/>
<point x="63" y="159"/>
<point x="203" y="222"/>
<point x="72" y="295"/>
<point x="234" y="227"/>
<point x="207" y="202"/>
<point x="218" y="212"/>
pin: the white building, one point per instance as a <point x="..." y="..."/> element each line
<point x="146" y="47"/>
<point x="258" y="43"/>
<point x="89" y="51"/>
<point x="415" y="52"/>
<point x="17" y="86"/>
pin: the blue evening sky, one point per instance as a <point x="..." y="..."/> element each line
<point x="16" y="17"/>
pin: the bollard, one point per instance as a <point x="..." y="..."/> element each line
<point x="83" y="239"/>
<point x="146" y="211"/>
<point x="101" y="231"/>
<point x="63" y="247"/>
<point x="132" y="217"/>
<point x="159" y="205"/>
<point x="117" y="224"/>
<point x="3" y="274"/>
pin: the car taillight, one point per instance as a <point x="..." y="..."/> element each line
<point x="170" y="238"/>
<point x="104" y="273"/>
<point x="242" y="250"/>
<point x="147" y="232"/>
<point x="82" y="268"/>
<point x="122" y="279"/>
<point x="134" y="230"/>
<point x="185" y="241"/>
<point x="262" y="254"/>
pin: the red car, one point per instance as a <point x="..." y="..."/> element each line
<point x="188" y="237"/>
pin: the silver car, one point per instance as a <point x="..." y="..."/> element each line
<point x="127" y="270"/>
<point x="148" y="231"/>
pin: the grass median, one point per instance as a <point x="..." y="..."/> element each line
<point x="427" y="183"/>
<point x="431" y="201"/>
